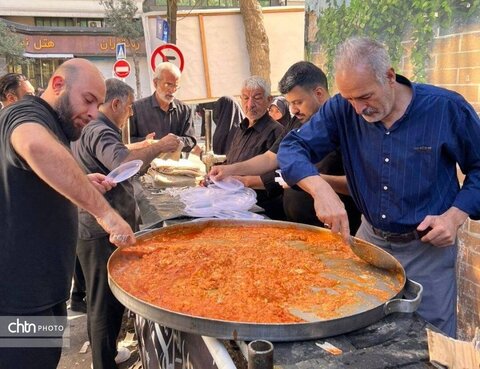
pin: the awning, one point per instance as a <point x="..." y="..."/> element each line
<point x="48" y="56"/>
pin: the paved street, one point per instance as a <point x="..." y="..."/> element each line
<point x="74" y="357"/>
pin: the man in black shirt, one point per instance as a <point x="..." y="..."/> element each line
<point x="161" y="113"/>
<point x="40" y="185"/>
<point x="13" y="86"/>
<point x="256" y="133"/>
<point x="305" y="87"/>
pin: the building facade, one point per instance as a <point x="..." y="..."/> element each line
<point x="53" y="31"/>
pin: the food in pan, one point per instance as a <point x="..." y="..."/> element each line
<point x="260" y="274"/>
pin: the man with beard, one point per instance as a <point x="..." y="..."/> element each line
<point x="14" y="86"/>
<point x="161" y="114"/>
<point x="40" y="185"/>
<point x="401" y="142"/>
<point x="99" y="150"/>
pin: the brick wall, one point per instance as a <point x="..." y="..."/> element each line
<point x="454" y="63"/>
<point x="468" y="278"/>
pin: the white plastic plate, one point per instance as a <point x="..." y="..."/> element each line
<point x="125" y="171"/>
<point x="229" y="184"/>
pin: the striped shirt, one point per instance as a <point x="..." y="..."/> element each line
<point x="396" y="176"/>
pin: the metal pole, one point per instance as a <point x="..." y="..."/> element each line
<point x="260" y="355"/>
<point x="208" y="130"/>
<point x="126" y="133"/>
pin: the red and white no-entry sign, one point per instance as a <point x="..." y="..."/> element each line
<point x="121" y="68"/>
<point x="167" y="52"/>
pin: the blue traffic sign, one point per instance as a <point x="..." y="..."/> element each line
<point x="163" y="29"/>
<point x="121" y="51"/>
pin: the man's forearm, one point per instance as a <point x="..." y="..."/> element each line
<point x="329" y="209"/>
<point x="145" y="154"/>
<point x="456" y="216"/>
<point x="338" y="183"/>
<point x="257" y="165"/>
<point x="313" y="185"/>
<point x="254" y="182"/>
<point x="53" y="163"/>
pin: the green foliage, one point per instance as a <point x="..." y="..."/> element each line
<point x="391" y="22"/>
<point x="120" y="17"/>
<point x="11" y="44"/>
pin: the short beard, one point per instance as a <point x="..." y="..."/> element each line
<point x="65" y="113"/>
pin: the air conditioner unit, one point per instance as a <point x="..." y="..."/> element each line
<point x="94" y="23"/>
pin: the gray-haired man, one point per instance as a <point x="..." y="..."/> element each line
<point x="99" y="150"/>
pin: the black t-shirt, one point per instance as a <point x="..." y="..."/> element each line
<point x="99" y="150"/>
<point x="293" y="124"/>
<point x="148" y="117"/>
<point x="252" y="141"/>
<point x="268" y="179"/>
<point x="38" y="226"/>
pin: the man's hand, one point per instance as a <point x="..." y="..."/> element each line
<point x="150" y="136"/>
<point x="219" y="172"/>
<point x="168" y="143"/>
<point x="254" y="182"/>
<point x="149" y="140"/>
<point x="444" y="227"/>
<point x="120" y="232"/>
<point x="244" y="179"/>
<point x="100" y="182"/>
<point x="329" y="209"/>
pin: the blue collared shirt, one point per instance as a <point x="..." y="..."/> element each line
<point x="396" y="176"/>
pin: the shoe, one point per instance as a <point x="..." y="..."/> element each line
<point x="78" y="306"/>
<point x="123" y="354"/>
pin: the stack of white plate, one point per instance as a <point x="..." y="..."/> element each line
<point x="225" y="199"/>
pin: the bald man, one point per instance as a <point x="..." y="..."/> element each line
<point x="41" y="187"/>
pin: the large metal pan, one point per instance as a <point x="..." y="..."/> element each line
<point x="356" y="316"/>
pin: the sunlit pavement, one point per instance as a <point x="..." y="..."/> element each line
<point x="78" y="354"/>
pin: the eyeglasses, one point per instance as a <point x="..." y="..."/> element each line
<point x="170" y="86"/>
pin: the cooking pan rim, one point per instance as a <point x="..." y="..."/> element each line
<point x="232" y="222"/>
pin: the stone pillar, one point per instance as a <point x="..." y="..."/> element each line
<point x="468" y="277"/>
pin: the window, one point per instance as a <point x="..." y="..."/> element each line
<point x="68" y="22"/>
<point x="38" y="71"/>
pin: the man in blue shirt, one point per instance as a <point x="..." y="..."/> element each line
<point x="400" y="142"/>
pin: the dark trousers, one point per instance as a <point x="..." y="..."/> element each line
<point x="78" y="288"/>
<point x="273" y="205"/>
<point x="431" y="266"/>
<point x="104" y="318"/>
<point x="33" y="357"/>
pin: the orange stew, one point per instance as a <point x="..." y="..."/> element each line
<point x="255" y="274"/>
